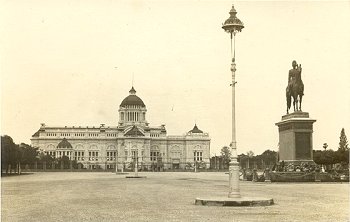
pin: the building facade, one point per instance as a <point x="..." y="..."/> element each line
<point x="133" y="139"/>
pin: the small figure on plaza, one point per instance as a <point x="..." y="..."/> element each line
<point x="295" y="88"/>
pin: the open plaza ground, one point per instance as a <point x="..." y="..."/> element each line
<point x="165" y="196"/>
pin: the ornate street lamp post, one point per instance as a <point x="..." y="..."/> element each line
<point x="233" y="25"/>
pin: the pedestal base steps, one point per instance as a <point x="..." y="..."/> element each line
<point x="119" y="173"/>
<point x="234" y="202"/>
<point x="135" y="177"/>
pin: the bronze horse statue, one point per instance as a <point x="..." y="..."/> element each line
<point x="295" y="88"/>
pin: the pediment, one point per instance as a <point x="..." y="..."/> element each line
<point x="134" y="131"/>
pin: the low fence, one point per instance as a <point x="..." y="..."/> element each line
<point x="306" y="177"/>
<point x="71" y="167"/>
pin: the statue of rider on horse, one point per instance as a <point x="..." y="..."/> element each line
<point x="295" y="87"/>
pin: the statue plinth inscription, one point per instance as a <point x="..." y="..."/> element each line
<point x="295" y="137"/>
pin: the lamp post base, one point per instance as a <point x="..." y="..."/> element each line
<point x="135" y="177"/>
<point x="234" y="202"/>
<point x="234" y="191"/>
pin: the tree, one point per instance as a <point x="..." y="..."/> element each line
<point x="226" y="155"/>
<point x="325" y="157"/>
<point x="46" y="158"/>
<point x="325" y="145"/>
<point x="343" y="143"/>
<point x="29" y="153"/>
<point x="250" y="154"/>
<point x="268" y="157"/>
<point x="242" y="159"/>
<point x="343" y="149"/>
<point x="9" y="153"/>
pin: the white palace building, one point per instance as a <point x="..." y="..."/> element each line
<point x="107" y="146"/>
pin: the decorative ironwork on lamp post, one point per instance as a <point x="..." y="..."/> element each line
<point x="233" y="25"/>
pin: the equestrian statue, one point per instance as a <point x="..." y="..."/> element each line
<point x="295" y="88"/>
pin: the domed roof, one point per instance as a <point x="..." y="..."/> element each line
<point x="195" y="130"/>
<point x="64" y="144"/>
<point x="132" y="99"/>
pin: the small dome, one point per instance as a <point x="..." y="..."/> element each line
<point x="64" y="144"/>
<point x="195" y="130"/>
<point x="132" y="99"/>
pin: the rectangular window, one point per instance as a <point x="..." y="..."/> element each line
<point x="154" y="155"/>
<point x="111" y="155"/>
<point x="198" y="156"/>
<point x="79" y="155"/>
<point x="93" y="156"/>
<point x="134" y="154"/>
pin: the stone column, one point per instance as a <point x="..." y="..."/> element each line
<point x="136" y="166"/>
<point x="255" y="176"/>
<point x="16" y="168"/>
<point x="244" y="172"/>
<point x="267" y="175"/>
<point x="317" y="177"/>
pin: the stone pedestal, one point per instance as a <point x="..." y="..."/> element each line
<point x="295" y="138"/>
<point x="267" y="175"/>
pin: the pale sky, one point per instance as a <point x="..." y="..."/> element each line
<point x="58" y="62"/>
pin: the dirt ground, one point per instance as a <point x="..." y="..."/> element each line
<point x="162" y="196"/>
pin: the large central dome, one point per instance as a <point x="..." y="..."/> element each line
<point x="132" y="100"/>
